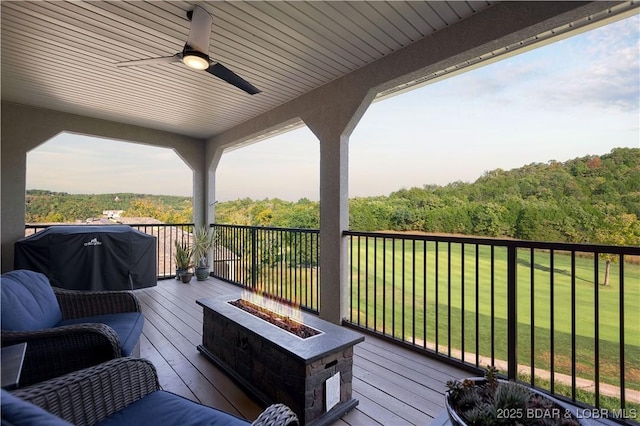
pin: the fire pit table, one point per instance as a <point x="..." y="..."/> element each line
<point x="312" y="375"/>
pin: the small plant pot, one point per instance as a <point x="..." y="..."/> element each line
<point x="179" y="273"/>
<point x="202" y="274"/>
<point x="186" y="277"/>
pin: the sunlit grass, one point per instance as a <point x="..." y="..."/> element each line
<point x="417" y="292"/>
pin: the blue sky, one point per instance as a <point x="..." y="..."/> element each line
<point x="576" y="97"/>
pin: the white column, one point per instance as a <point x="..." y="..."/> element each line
<point x="332" y="124"/>
<point x="213" y="159"/>
<point x="200" y="178"/>
<point x="334" y="218"/>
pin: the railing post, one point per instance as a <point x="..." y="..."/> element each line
<point x="512" y="318"/>
<point x="254" y="258"/>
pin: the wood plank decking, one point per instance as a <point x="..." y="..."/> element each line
<point x="395" y="386"/>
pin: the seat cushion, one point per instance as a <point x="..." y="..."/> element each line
<point x="28" y="301"/>
<point x="16" y="412"/>
<point x="127" y="325"/>
<point x="166" y="408"/>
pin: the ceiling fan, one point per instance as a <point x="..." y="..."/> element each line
<point x="194" y="55"/>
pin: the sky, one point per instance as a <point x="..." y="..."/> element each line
<point x="576" y="97"/>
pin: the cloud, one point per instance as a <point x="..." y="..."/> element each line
<point x="600" y="69"/>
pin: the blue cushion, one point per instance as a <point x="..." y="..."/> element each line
<point x="128" y="326"/>
<point x="28" y="301"/>
<point x="166" y="408"/>
<point x="17" y="412"/>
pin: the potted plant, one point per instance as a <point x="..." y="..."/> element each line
<point x="182" y="255"/>
<point x="489" y="400"/>
<point x="186" y="277"/>
<point x="203" y="239"/>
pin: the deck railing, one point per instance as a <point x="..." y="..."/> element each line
<point x="540" y="312"/>
<point x="280" y="262"/>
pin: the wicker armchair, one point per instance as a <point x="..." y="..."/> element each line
<point x="66" y="330"/>
<point x="121" y="386"/>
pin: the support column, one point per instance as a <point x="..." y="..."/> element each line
<point x="332" y="124"/>
<point x="334" y="218"/>
<point x="200" y="177"/>
<point x="194" y="156"/>
<point x="14" y="166"/>
<point x="214" y="154"/>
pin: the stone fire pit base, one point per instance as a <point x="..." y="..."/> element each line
<point x="274" y="366"/>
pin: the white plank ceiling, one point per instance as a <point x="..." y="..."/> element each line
<point x="61" y="54"/>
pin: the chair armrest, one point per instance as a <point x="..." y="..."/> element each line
<point x="90" y="395"/>
<point x="276" y="415"/>
<point x="79" y="304"/>
<point x="56" y="351"/>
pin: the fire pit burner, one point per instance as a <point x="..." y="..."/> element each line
<point x="276" y="319"/>
<point x="313" y="375"/>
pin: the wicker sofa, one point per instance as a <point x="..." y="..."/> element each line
<point x="66" y="330"/>
<point x="123" y="391"/>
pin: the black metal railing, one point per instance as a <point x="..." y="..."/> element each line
<point x="165" y="235"/>
<point x="280" y="262"/>
<point x="538" y="311"/>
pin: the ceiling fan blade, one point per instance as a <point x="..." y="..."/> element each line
<point x="200" y="31"/>
<point x="150" y="61"/>
<point x="230" y="77"/>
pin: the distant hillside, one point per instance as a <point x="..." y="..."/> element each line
<point x="588" y="199"/>
<point x="47" y="206"/>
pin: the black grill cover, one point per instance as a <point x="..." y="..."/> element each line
<point x="94" y="257"/>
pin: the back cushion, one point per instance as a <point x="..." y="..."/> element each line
<point x="28" y="301"/>
<point x="16" y="412"/>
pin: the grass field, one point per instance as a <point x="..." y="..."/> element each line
<point x="422" y="293"/>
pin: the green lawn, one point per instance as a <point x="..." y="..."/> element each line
<point x="401" y="280"/>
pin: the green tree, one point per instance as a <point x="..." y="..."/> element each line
<point x="370" y="214"/>
<point x="487" y="219"/>
<point x="618" y="230"/>
<point x="142" y="208"/>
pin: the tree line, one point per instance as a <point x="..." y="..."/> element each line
<point x="60" y="207"/>
<point x="589" y="199"/>
<point x="594" y="198"/>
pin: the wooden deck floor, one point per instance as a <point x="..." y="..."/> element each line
<point x="394" y="386"/>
